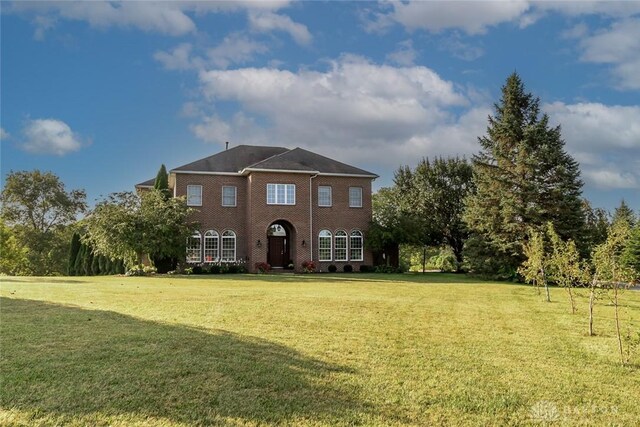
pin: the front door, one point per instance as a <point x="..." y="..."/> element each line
<point x="278" y="251"/>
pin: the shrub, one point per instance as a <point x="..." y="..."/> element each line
<point x="149" y="270"/>
<point x="332" y="268"/>
<point x="385" y="269"/>
<point x="366" y="268"/>
<point x="348" y="268"/>
<point x="196" y="269"/>
<point x="215" y="269"/>
<point x="308" y="267"/>
<point x="136" y="270"/>
<point x="262" y="267"/>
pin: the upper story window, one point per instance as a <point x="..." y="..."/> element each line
<point x="281" y="194"/>
<point x="229" y="195"/>
<point x="324" y="195"/>
<point x="355" y="197"/>
<point x="194" y="195"/>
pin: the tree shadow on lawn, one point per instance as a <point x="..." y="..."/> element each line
<point x="71" y="364"/>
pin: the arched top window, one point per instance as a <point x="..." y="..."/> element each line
<point x="211" y="246"/>
<point x="340" y="246"/>
<point x="228" y="245"/>
<point x="324" y="245"/>
<point x="194" y="247"/>
<point x="356" y="246"/>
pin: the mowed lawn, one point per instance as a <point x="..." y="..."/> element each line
<point x="307" y="350"/>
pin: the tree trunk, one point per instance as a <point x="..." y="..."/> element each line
<point x="571" y="300"/>
<point x="592" y="297"/>
<point x="424" y="259"/>
<point x="546" y="286"/>
<point x="615" y="307"/>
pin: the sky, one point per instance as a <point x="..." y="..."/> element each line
<point x="103" y="93"/>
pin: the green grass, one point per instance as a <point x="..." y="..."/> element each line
<point x="307" y="350"/>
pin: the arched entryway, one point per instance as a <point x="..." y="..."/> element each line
<point x="280" y="235"/>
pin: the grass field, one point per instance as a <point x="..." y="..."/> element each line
<point x="307" y="350"/>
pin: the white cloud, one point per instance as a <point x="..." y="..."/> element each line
<point x="267" y="21"/>
<point x="179" y="58"/>
<point x="166" y="17"/>
<point x="235" y="49"/>
<point x="405" y="54"/>
<point x="356" y="108"/>
<point x="50" y="136"/>
<point x="605" y="139"/>
<point x="473" y="17"/>
<point x="618" y="45"/>
<point x="4" y="134"/>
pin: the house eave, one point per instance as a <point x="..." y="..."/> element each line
<point x="206" y="173"/>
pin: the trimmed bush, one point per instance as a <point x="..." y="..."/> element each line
<point x="197" y="269"/>
<point x="366" y="268"/>
<point x="348" y="268"/>
<point x="332" y="268"/>
<point x="214" y="269"/>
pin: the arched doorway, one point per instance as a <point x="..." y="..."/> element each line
<point x="279" y="238"/>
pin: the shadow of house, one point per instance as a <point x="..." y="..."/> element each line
<point x="74" y="365"/>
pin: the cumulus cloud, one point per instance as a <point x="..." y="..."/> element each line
<point x="4" y="134"/>
<point x="476" y="17"/>
<point x="235" y="49"/>
<point x="166" y="17"/>
<point x="355" y="107"/>
<point x="179" y="58"/>
<point x="618" y="45"/>
<point x="50" y="136"/>
<point x="605" y="139"/>
<point x="266" y="21"/>
<point x="405" y="54"/>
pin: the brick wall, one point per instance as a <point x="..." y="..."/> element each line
<point x="252" y="216"/>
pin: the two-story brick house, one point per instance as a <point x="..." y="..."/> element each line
<point x="275" y="205"/>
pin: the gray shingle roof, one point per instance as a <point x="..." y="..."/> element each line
<point x="232" y="160"/>
<point x="300" y="159"/>
<point x="245" y="158"/>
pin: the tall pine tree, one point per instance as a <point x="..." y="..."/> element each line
<point x="162" y="181"/>
<point x="73" y="254"/>
<point x="524" y="178"/>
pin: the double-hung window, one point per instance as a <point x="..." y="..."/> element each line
<point x="281" y="194"/>
<point x="356" y="246"/>
<point x="324" y="245"/>
<point x="355" y="197"/>
<point x="194" y="195"/>
<point x="228" y="246"/>
<point x="229" y="195"/>
<point x="340" y="241"/>
<point x="324" y="195"/>
<point x="194" y="247"/>
<point x="211" y="246"/>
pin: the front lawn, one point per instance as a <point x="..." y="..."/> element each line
<point x="307" y="350"/>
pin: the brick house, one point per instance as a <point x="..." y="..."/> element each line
<point x="275" y="205"/>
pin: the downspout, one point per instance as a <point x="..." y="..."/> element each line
<point x="311" y="214"/>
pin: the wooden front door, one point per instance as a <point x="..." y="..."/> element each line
<point x="278" y="254"/>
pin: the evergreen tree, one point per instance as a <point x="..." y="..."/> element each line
<point x="102" y="264"/>
<point x="86" y="262"/>
<point x="631" y="253"/>
<point x="108" y="266"/>
<point x="162" y="181"/>
<point x="624" y="213"/>
<point x="596" y="227"/>
<point x="73" y="254"/>
<point x="78" y="265"/>
<point x="95" y="267"/>
<point x="524" y="178"/>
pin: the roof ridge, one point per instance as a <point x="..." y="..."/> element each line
<point x="269" y="158"/>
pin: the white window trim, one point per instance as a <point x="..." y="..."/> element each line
<point x="286" y="201"/>
<point x="330" y="237"/>
<point x="346" y="245"/>
<point x="188" y="199"/>
<point x="235" y="196"/>
<point x="361" y="237"/>
<point x="330" y="196"/>
<point x="361" y="197"/>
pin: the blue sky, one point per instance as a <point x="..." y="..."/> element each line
<point x="102" y="93"/>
